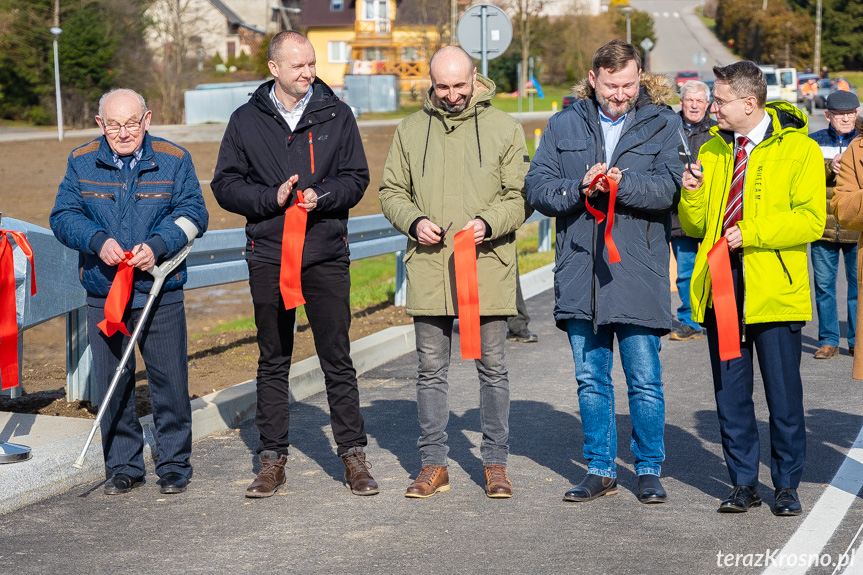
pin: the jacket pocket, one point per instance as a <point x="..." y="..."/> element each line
<point x="572" y="144"/>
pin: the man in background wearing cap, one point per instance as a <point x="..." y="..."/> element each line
<point x="842" y="108"/>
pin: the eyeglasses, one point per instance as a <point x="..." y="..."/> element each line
<point x="131" y="127"/>
<point x="848" y="114"/>
<point x="720" y="103"/>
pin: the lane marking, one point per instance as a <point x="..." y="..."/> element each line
<point x="828" y="512"/>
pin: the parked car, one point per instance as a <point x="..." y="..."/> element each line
<point x="825" y="87"/>
<point x="568" y="100"/>
<point x="684" y="76"/>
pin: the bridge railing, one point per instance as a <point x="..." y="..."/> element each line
<point x="218" y="257"/>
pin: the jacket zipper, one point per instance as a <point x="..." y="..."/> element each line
<point x="785" y="269"/>
<point x="312" y="151"/>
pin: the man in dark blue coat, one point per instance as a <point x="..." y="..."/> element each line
<point x="125" y="191"/>
<point x="295" y="134"/>
<point x="622" y="128"/>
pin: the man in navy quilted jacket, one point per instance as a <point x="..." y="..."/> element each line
<point x="121" y="195"/>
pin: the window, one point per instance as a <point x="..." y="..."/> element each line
<point x="376" y="10"/>
<point x="410" y="54"/>
<point x="337" y="5"/>
<point x="374" y="54"/>
<point x="338" y="52"/>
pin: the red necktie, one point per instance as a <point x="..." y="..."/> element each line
<point x="734" y="208"/>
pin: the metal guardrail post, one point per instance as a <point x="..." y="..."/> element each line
<point x="401" y="280"/>
<point x="544" y="236"/>
<point x="78" y="357"/>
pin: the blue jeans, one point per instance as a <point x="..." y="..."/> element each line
<point x="434" y="344"/>
<point x="684" y="250"/>
<point x="825" y="265"/>
<point x="639" y="354"/>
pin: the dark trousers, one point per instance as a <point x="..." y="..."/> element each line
<point x="779" y="347"/>
<point x="163" y="346"/>
<point x="518" y="323"/>
<point x="326" y="289"/>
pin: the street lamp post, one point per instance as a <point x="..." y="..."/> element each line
<point x="627" y="10"/>
<point x="56" y="32"/>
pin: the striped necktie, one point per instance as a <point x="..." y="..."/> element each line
<point x="734" y="208"/>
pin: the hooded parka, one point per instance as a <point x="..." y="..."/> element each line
<point x="455" y="167"/>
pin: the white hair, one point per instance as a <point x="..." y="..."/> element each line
<point x="695" y="86"/>
<point x="114" y="91"/>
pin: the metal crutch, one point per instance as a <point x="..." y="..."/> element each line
<point x="159" y="274"/>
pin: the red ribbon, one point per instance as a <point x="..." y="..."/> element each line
<point x="724" y="302"/>
<point x="293" y="239"/>
<point x="8" y="316"/>
<point x="467" y="292"/>
<point x="613" y="254"/>
<point x="118" y="298"/>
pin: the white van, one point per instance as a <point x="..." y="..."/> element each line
<point x="781" y="83"/>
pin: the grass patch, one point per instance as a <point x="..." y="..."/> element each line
<point x="854" y="78"/>
<point x="709" y="22"/>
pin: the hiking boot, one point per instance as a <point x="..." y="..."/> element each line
<point x="685" y="333"/>
<point x="271" y="477"/>
<point x="357" y="476"/>
<point x="826" y="352"/>
<point x="497" y="483"/>
<point x="432" y="479"/>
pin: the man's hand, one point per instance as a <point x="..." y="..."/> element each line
<point x="588" y="177"/>
<point x="111" y="252"/>
<point x="143" y="258"/>
<point x="478" y="230"/>
<point x="428" y="233"/>
<point x="310" y="199"/>
<point x="693" y="177"/>
<point x="837" y="163"/>
<point x="615" y="174"/>
<point x="285" y="189"/>
<point x="734" y="237"/>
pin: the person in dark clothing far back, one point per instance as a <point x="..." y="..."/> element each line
<point x="694" y="102"/>
<point x="292" y="162"/>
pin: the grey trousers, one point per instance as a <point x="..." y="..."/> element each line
<point x="434" y="345"/>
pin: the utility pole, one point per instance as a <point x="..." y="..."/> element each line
<point x="817" y="67"/>
<point x="453" y="22"/>
<point x="56" y="32"/>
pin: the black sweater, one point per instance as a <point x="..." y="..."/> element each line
<point x="259" y="152"/>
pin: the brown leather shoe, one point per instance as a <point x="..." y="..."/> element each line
<point x="357" y="476"/>
<point x="432" y="478"/>
<point x="826" y="352"/>
<point x="497" y="483"/>
<point x="271" y="477"/>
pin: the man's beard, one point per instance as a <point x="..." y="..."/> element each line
<point x="454" y="109"/>
<point x="616" y="110"/>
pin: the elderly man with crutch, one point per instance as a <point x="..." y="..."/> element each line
<point x="128" y="203"/>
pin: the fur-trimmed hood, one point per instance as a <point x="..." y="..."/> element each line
<point x="659" y="89"/>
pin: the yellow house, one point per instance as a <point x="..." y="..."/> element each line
<point x="376" y="37"/>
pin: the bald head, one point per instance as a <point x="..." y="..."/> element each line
<point x="452" y="75"/>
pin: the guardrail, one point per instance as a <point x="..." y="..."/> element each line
<point x="218" y="257"/>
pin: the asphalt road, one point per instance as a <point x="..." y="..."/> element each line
<point x="316" y="526"/>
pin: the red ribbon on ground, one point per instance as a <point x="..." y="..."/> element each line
<point x="293" y="239"/>
<point x="724" y="302"/>
<point x="613" y="254"/>
<point x="118" y="298"/>
<point x="8" y="315"/>
<point x="467" y="292"/>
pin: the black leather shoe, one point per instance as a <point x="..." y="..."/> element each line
<point x="122" y="483"/>
<point x="591" y="487"/>
<point x="650" y="489"/>
<point x="786" y="503"/>
<point x="173" y="482"/>
<point x="741" y="499"/>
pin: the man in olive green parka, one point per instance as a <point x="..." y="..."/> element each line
<point x="458" y="162"/>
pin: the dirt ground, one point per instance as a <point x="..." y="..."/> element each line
<point x="30" y="172"/>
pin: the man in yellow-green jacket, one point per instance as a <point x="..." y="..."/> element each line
<point x="458" y="163"/>
<point x="759" y="183"/>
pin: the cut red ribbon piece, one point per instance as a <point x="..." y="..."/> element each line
<point x="467" y="292"/>
<point x="118" y="298"/>
<point x="613" y="254"/>
<point x="293" y="239"/>
<point x="724" y="302"/>
<point x="8" y="315"/>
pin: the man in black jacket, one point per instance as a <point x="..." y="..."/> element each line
<point x="694" y="106"/>
<point x="294" y="142"/>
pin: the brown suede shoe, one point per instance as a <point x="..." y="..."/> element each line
<point x="271" y="477"/>
<point x="357" y="476"/>
<point x="826" y="352"/>
<point x="497" y="483"/>
<point x="432" y="478"/>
